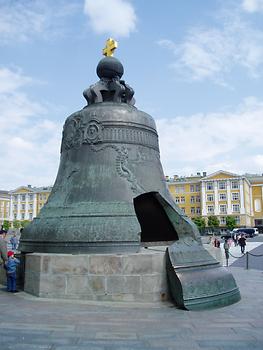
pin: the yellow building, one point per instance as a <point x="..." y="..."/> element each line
<point x="186" y="192"/>
<point x="221" y="194"/>
<point x="257" y="198"/>
<point x="227" y="194"/>
<point x="27" y="201"/>
<point x="4" y="206"/>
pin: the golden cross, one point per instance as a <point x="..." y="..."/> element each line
<point x="111" y="45"/>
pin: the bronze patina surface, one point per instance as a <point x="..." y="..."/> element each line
<point x="110" y="195"/>
<point x="109" y="155"/>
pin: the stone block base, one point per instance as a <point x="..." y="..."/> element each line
<point x="139" y="277"/>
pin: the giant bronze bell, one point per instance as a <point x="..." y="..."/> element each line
<point x="110" y="195"/>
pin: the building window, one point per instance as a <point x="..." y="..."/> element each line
<point x="23" y="206"/>
<point x="182" y="200"/>
<point x="210" y="209"/>
<point x="179" y="189"/>
<point x="257" y="205"/>
<point x="197" y="188"/>
<point x="209" y="186"/>
<point x="192" y="210"/>
<point x="235" y="196"/>
<point x="15" y="197"/>
<point x="222" y="185"/>
<point x="192" y="200"/>
<point x="30" y="206"/>
<point x="222" y="196"/>
<point x="15" y="216"/>
<point x="30" y="197"/>
<point x="192" y="188"/>
<point x="235" y="208"/>
<point x="23" y="197"/>
<point x="198" y="210"/>
<point x="222" y="220"/>
<point x="222" y="208"/>
<point x="234" y="185"/>
<point x="30" y="216"/>
<point x="177" y="199"/>
<point x="237" y="218"/>
<point x="197" y="199"/>
<point x="210" y="198"/>
<point x="23" y="216"/>
<point x="183" y="210"/>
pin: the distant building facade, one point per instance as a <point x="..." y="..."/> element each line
<point x="4" y="206"/>
<point x="27" y="201"/>
<point x="220" y="194"/>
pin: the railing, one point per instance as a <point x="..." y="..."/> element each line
<point x="238" y="257"/>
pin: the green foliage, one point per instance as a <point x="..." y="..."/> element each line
<point x="230" y="222"/>
<point x="6" y="225"/>
<point x="200" y="222"/>
<point x="16" y="224"/>
<point x="24" y="223"/>
<point x="213" y="221"/>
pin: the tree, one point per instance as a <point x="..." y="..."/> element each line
<point x="6" y="225"/>
<point x="230" y="222"/>
<point x="16" y="224"/>
<point x="24" y="223"/>
<point x="213" y="222"/>
<point x="200" y="222"/>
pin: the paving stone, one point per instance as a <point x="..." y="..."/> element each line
<point x="55" y="324"/>
<point x="113" y="335"/>
<point x="230" y="344"/>
<point x="78" y="347"/>
<point x="28" y="347"/>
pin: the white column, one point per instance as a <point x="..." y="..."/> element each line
<point x="203" y="200"/>
<point x="26" y="207"/>
<point x="18" y="207"/>
<point x="216" y="198"/>
<point x="35" y="205"/>
<point x="11" y="209"/>
<point x="229" y="208"/>
<point x="241" y="192"/>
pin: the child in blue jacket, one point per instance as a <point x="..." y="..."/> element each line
<point x="10" y="267"/>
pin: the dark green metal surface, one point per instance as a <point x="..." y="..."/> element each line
<point x="110" y="194"/>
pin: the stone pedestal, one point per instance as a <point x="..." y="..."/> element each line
<point x="139" y="277"/>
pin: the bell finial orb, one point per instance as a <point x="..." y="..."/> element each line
<point x="110" y="67"/>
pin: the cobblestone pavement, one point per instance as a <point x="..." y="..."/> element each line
<point x="33" y="323"/>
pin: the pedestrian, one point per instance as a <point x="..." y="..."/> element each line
<point x="3" y="248"/>
<point x="14" y="241"/>
<point x="235" y="239"/>
<point x="226" y="247"/>
<point x="217" y="243"/>
<point x="242" y="243"/>
<point x="10" y="267"/>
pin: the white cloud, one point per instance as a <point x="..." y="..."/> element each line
<point x="113" y="17"/>
<point x="208" y="53"/>
<point x="230" y="141"/>
<point x="29" y="140"/>
<point x="23" y="20"/>
<point x="252" y="5"/>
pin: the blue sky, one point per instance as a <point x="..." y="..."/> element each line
<point x="195" y="66"/>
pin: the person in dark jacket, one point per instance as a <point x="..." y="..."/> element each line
<point x="3" y="248"/>
<point x="242" y="243"/>
<point x="10" y="266"/>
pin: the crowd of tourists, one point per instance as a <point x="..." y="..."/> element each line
<point x="237" y="240"/>
<point x="8" y="261"/>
